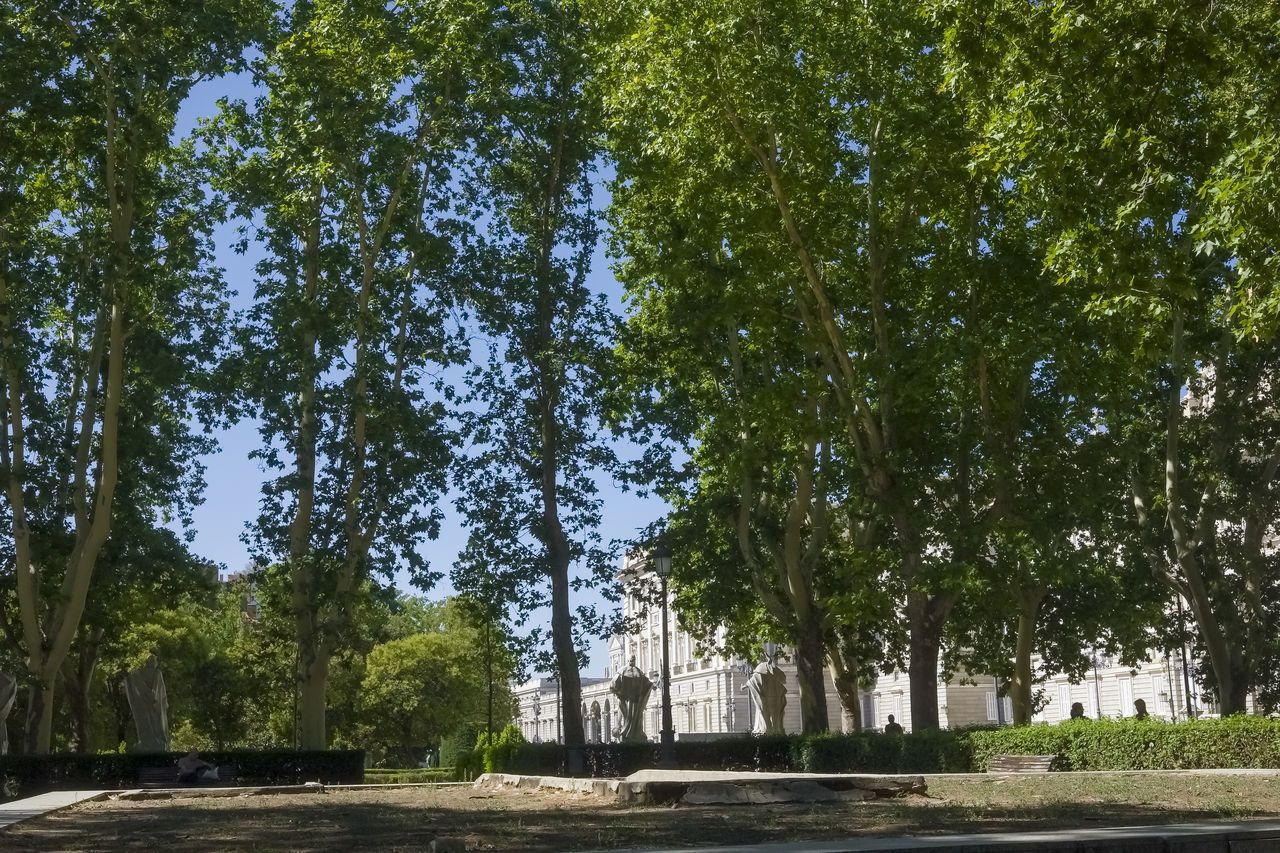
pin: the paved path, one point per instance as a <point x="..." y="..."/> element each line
<point x="25" y="809"/>
<point x="1247" y="836"/>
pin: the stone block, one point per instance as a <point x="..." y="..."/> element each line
<point x="763" y="794"/>
<point x="855" y="795"/>
<point x="716" y="793"/>
<point x="810" y="792"/>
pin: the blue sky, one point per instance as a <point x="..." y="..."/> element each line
<point x="234" y="480"/>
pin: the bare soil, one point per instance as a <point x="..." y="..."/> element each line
<point x="407" y="819"/>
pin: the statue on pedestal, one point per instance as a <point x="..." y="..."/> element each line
<point x="8" y="692"/>
<point x="632" y="687"/>
<point x="149" y="704"/>
<point x="768" y="688"/>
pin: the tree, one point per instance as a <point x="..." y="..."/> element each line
<point x="1138" y="165"/>
<point x="820" y="148"/>
<point x="109" y="305"/>
<point x="747" y="442"/>
<point x="530" y="483"/>
<point x="348" y="161"/>
<point x="424" y="685"/>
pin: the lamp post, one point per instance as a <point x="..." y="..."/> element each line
<point x="660" y="557"/>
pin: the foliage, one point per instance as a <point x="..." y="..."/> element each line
<point x="1123" y="128"/>
<point x="1127" y="744"/>
<point x="456" y="748"/>
<point x="498" y="750"/>
<point x="345" y="166"/>
<point x="416" y="689"/>
<point x="1130" y="744"/>
<point x="529" y="491"/>
<point x="112" y="309"/>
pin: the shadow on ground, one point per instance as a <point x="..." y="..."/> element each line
<point x="330" y="824"/>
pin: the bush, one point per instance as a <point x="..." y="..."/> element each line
<point x="408" y="775"/>
<point x="26" y="775"/>
<point x="1129" y="744"/>
<point x="461" y="741"/>
<point x="497" y="750"/>
<point x="1080" y="744"/>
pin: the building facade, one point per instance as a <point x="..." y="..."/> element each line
<point x="709" y="697"/>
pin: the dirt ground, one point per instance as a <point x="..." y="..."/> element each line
<point x="407" y="819"/>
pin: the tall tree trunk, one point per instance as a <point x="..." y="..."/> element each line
<point x="313" y="661"/>
<point x="1020" y="685"/>
<point x="811" y="675"/>
<point x="312" y="685"/>
<point x="844" y="677"/>
<point x="313" y="679"/>
<point x="78" y="683"/>
<point x="39" y="734"/>
<point x="1221" y="644"/>
<point x="558" y="565"/>
<point x="926" y="616"/>
<point x="566" y="664"/>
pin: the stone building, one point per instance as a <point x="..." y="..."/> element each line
<point x="709" y="698"/>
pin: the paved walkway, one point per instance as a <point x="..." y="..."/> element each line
<point x="25" y="809"/>
<point x="1247" y="836"/>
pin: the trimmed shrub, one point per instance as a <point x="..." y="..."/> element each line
<point x="538" y="759"/>
<point x="1130" y="744"/>
<point x="1080" y="745"/>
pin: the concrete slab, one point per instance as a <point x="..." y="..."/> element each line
<point x="17" y="811"/>
<point x="193" y="793"/>
<point x="717" y="786"/>
<point x="1249" y="836"/>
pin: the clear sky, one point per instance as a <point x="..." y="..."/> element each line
<point x="235" y="480"/>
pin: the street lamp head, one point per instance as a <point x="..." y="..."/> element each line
<point x="660" y="560"/>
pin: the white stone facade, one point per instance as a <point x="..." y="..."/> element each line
<point x="709" y="698"/>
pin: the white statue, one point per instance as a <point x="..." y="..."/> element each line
<point x="150" y="706"/>
<point x="632" y="687"/>
<point x="768" y="688"/>
<point x="8" y="692"/>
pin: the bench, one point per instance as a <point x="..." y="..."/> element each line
<point x="166" y="776"/>
<point x="1020" y="763"/>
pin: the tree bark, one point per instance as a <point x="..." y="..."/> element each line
<point x="850" y="697"/>
<point x="811" y="678"/>
<point x="313" y="681"/>
<point x="561" y="615"/>
<point x="78" y="683"/>
<point x="926" y="616"/>
<point x="312" y="657"/>
<point x="1224" y="654"/>
<point x="1021" y="683"/>
<point x="39" y="734"/>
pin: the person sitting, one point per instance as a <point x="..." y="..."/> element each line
<point x="1077" y="711"/>
<point x="892" y="727"/>
<point x="192" y="769"/>
<point x="1140" y="709"/>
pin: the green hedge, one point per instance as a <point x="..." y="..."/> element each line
<point x="26" y="775"/>
<point x="1080" y="745"/>
<point x="1238" y="741"/>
